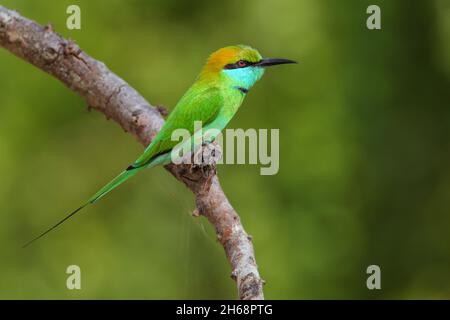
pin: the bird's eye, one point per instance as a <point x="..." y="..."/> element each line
<point x="242" y="63"/>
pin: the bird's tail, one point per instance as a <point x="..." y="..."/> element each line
<point x="121" y="178"/>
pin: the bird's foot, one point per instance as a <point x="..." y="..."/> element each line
<point x="207" y="157"/>
<point x="201" y="166"/>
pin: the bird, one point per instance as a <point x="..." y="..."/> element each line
<point x="214" y="98"/>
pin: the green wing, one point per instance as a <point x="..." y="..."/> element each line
<point x="195" y="105"/>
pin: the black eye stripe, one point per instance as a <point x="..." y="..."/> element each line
<point x="237" y="66"/>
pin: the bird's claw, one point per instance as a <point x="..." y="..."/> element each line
<point x="208" y="155"/>
<point x="206" y="158"/>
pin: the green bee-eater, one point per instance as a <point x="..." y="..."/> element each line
<point x="213" y="99"/>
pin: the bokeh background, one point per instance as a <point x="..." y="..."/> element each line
<point x="364" y="174"/>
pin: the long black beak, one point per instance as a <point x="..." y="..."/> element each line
<point x="273" y="61"/>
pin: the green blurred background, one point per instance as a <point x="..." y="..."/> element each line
<point x="364" y="166"/>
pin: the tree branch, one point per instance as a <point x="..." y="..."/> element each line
<point x="111" y="95"/>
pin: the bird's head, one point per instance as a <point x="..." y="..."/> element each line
<point x="241" y="65"/>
